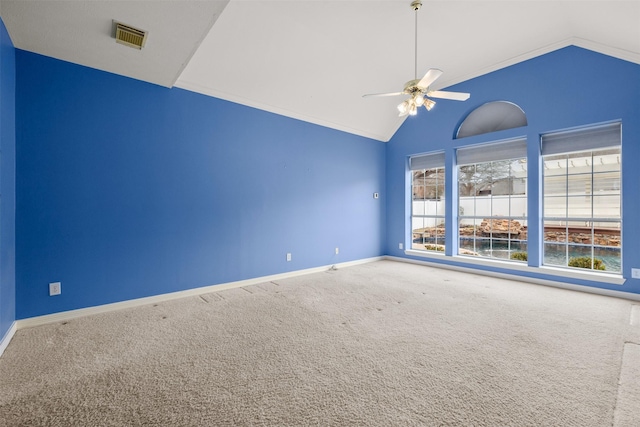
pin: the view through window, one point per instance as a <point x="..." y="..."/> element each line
<point x="492" y="200"/>
<point x="427" y="202"/>
<point x="493" y="209"/>
<point x="582" y="199"/>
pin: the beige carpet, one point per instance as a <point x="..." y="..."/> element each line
<point x="380" y="344"/>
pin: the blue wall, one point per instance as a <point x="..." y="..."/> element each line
<point x="566" y="88"/>
<point x="7" y="181"/>
<point x="127" y="189"/>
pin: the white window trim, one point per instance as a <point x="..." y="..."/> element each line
<point x="433" y="160"/>
<point x="590" y="138"/>
<point x="497" y="151"/>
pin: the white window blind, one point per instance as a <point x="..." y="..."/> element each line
<point x="592" y="138"/>
<point x="427" y="161"/>
<point x="505" y="150"/>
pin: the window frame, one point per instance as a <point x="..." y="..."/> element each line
<point x="507" y="153"/>
<point x="421" y="164"/>
<point x="585" y="231"/>
<point x="534" y="155"/>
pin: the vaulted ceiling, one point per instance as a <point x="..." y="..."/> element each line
<point x="313" y="60"/>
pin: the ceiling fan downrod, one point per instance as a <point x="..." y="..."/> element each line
<point x="419" y="89"/>
<point x="415" y="5"/>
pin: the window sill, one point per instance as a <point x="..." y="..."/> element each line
<point x="426" y="254"/>
<point x="594" y="276"/>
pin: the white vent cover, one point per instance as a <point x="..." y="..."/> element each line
<point x="130" y="36"/>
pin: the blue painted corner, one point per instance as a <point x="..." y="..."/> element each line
<point x="7" y="181"/>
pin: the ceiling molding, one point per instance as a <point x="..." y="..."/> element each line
<point x="312" y="60"/>
<point x="194" y="87"/>
<point x="607" y="50"/>
<point x="543" y="50"/>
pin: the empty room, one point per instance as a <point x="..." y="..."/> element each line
<point x="292" y="213"/>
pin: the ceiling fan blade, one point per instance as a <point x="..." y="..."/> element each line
<point x="431" y="76"/>
<point x="443" y="94"/>
<point x="383" y="94"/>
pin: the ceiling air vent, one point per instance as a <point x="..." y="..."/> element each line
<point x="130" y="36"/>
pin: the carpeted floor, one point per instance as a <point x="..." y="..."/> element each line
<point x="379" y="344"/>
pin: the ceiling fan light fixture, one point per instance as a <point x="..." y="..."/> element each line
<point x="404" y="107"/>
<point x="419" y="89"/>
<point x="429" y="104"/>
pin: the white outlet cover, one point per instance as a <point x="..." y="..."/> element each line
<point x="635" y="273"/>
<point x="55" y="288"/>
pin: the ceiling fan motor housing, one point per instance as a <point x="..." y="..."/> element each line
<point x="411" y="87"/>
<point x="418" y="89"/>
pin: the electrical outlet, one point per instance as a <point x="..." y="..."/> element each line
<point x="288" y="256"/>
<point x="55" y="288"/>
<point x="635" y="273"/>
<point x="400" y="246"/>
<point x="337" y="251"/>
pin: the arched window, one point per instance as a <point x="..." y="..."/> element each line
<point x="492" y="117"/>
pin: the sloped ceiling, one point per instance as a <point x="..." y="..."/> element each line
<point x="313" y="60"/>
<point x="82" y="32"/>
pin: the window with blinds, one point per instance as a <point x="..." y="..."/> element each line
<point x="427" y="202"/>
<point x="492" y="200"/>
<point x="582" y="197"/>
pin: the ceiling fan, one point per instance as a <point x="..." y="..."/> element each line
<point x="419" y="89"/>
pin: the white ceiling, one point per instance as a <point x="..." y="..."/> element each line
<point x="313" y="60"/>
<point x="82" y="32"/>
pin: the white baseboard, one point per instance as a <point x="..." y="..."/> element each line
<point x="74" y="314"/>
<point x="516" y="277"/>
<point x="7" y="337"/>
